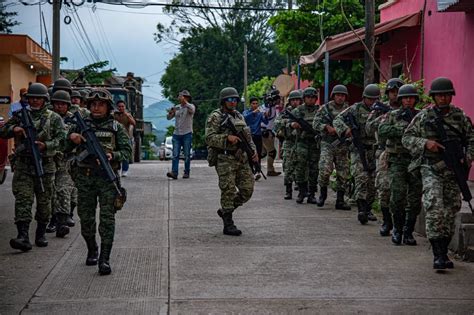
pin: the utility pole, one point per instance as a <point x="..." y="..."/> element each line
<point x="56" y="38"/>
<point x="369" y="41"/>
<point x="288" y="57"/>
<point x="245" y="76"/>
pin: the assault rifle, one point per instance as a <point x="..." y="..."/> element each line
<point x="32" y="147"/>
<point x="303" y="123"/>
<point x="350" y="120"/>
<point x="243" y="144"/>
<point x="381" y="107"/>
<point x="454" y="156"/>
<point x="329" y="119"/>
<point x="94" y="150"/>
<point x="406" y="114"/>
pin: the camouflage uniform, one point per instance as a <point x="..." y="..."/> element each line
<point x="405" y="188"/>
<point x="307" y="152"/>
<point x="236" y="180"/>
<point x="336" y="156"/>
<point x="441" y="195"/>
<point x="364" y="180"/>
<point x="25" y="185"/>
<point x="284" y="131"/>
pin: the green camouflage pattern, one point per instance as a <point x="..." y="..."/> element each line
<point x="236" y="180"/>
<point x="283" y="131"/>
<point x="441" y="195"/>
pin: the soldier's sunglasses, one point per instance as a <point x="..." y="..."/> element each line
<point x="231" y="99"/>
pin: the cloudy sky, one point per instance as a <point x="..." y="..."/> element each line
<point x="120" y="34"/>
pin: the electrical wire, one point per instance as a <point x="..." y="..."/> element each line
<point x="107" y="43"/>
<point x="79" y="42"/>
<point x="86" y="35"/>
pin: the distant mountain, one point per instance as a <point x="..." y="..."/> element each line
<point x="156" y="113"/>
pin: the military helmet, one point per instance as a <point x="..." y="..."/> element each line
<point x="99" y="94"/>
<point x="62" y="84"/>
<point x="371" y="91"/>
<point x="228" y="92"/>
<point x="339" y="89"/>
<point x="296" y="94"/>
<point x="310" y="91"/>
<point x="84" y="94"/>
<point x="407" y="90"/>
<point x="442" y="85"/>
<point x="130" y="74"/>
<point x="61" y="96"/>
<point x="38" y="90"/>
<point x="393" y="83"/>
<point x="76" y="93"/>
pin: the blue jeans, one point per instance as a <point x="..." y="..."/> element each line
<point x="185" y="142"/>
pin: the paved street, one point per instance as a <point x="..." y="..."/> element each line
<point x="170" y="256"/>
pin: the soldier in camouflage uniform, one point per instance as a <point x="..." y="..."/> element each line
<point x="63" y="182"/>
<point x="236" y="180"/>
<point x="405" y="188"/>
<point x="364" y="179"/>
<point x="334" y="153"/>
<point x="307" y="150"/>
<point x="130" y="81"/>
<point x="285" y="133"/>
<point x="26" y="185"/>
<point x="80" y="80"/>
<point x="382" y="177"/>
<point x="77" y="99"/>
<point x="441" y="194"/>
<point x="91" y="183"/>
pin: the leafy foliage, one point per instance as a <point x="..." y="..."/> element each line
<point x="6" y="19"/>
<point x="94" y="73"/>
<point x="260" y="87"/>
<point x="425" y="99"/>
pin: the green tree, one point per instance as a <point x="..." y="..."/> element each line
<point x="94" y="73"/>
<point x="6" y="19"/>
<point x="300" y="32"/>
<point x="260" y="87"/>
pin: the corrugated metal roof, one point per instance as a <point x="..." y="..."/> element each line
<point x="455" y="5"/>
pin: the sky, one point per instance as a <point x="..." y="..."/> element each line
<point x="120" y="34"/>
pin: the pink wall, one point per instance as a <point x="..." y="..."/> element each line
<point x="401" y="8"/>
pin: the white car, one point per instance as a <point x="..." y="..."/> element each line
<point x="168" y="147"/>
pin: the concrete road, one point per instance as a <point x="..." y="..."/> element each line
<point x="170" y="257"/>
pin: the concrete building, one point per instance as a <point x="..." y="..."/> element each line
<point x="22" y="61"/>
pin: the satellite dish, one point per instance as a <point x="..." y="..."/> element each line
<point x="284" y="83"/>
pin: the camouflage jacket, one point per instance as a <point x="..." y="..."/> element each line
<point x="112" y="137"/>
<point x="216" y="135"/>
<point x="422" y="128"/>
<point x="307" y="113"/>
<point x="282" y="127"/>
<point x="76" y="108"/>
<point x="376" y="117"/>
<point x="50" y="130"/>
<point x="361" y="114"/>
<point x="392" y="128"/>
<point x="62" y="154"/>
<point x="325" y="116"/>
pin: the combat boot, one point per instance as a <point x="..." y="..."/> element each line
<point x="323" y="195"/>
<point x="104" y="264"/>
<point x="289" y="192"/>
<point x="408" y="229"/>
<point x="449" y="263"/>
<point x="40" y="237"/>
<point x="311" y="196"/>
<point x="397" y="228"/>
<point x="438" y="260"/>
<point x="387" y="224"/>
<point x="51" y="228"/>
<point x="61" y="228"/>
<point x="70" y="218"/>
<point x="361" y="209"/>
<point x="340" y="203"/>
<point x="370" y="215"/>
<point x="92" y="252"/>
<point x="22" y="241"/>
<point x="302" y="191"/>
<point x="229" y="227"/>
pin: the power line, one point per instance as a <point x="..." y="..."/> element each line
<point x="109" y="47"/>
<point x="79" y="42"/>
<point x="87" y="36"/>
<point x="99" y="34"/>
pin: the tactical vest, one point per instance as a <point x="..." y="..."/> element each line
<point x="329" y="112"/>
<point x="307" y="113"/>
<point x="455" y="118"/>
<point x="42" y="122"/>
<point x="361" y="113"/>
<point x="394" y="145"/>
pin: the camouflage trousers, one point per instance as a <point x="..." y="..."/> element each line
<point x="307" y="163"/>
<point x="63" y="189"/>
<point x="25" y="188"/>
<point x="406" y="189"/>
<point x="334" y="157"/>
<point x="91" y="190"/>
<point x="382" y="179"/>
<point x="236" y="182"/>
<point x="73" y="197"/>
<point x="441" y="201"/>
<point x="269" y="150"/>
<point x="364" y="180"/>
<point x="288" y="162"/>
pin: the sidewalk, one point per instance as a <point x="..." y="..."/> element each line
<point x="170" y="257"/>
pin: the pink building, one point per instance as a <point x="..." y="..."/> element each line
<point x="442" y="45"/>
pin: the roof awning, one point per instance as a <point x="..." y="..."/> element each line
<point x="455" y="5"/>
<point x="345" y="43"/>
